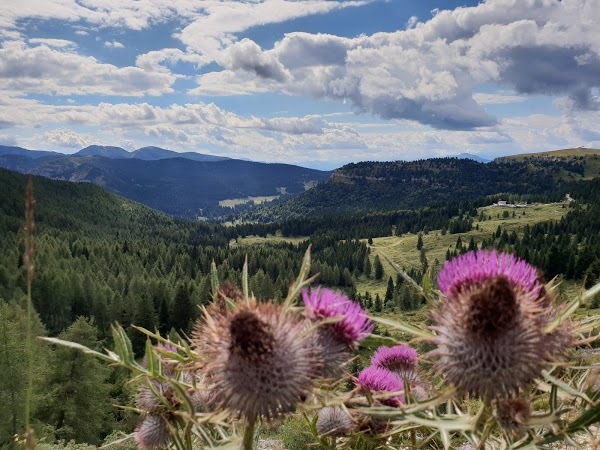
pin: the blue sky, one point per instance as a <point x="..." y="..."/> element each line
<point x="315" y="82"/>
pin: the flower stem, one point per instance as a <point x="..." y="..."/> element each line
<point x="248" y="442"/>
<point x="28" y="259"/>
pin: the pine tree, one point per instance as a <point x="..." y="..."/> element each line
<point x="420" y="242"/>
<point x="378" y="268"/>
<point x="79" y="403"/>
<point x="368" y="267"/>
<point x="183" y="311"/>
<point x="389" y="293"/>
<point x="13" y="376"/>
<point x="378" y="305"/>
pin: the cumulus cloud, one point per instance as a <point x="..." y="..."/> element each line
<point x="170" y="132"/>
<point x="67" y="138"/>
<point x="429" y="73"/>
<point x="42" y="69"/>
<point x="211" y="25"/>
<point x="221" y="21"/>
<point x="246" y="55"/>
<point x="113" y="44"/>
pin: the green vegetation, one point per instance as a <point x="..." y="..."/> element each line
<point x="404" y="249"/>
<point x="387" y="186"/>
<point x="100" y="258"/>
<point x="177" y="186"/>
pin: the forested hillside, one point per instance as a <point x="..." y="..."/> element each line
<point x="386" y="186"/>
<point x="100" y="258"/>
<point x="176" y="184"/>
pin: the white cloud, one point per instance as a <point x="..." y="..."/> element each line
<point x="429" y="73"/>
<point x="8" y="140"/>
<point x="113" y="44"/>
<point x="67" y="138"/>
<point x="498" y="99"/>
<point x="46" y="70"/>
<point x="58" y="43"/>
<point x="211" y="25"/>
<point x="221" y="21"/>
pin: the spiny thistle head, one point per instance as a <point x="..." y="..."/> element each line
<point x="334" y="421"/>
<point x="513" y="414"/>
<point x="334" y="353"/>
<point x="491" y="325"/>
<point x="354" y="324"/>
<point x="152" y="433"/>
<point x="400" y="359"/>
<point x="228" y="292"/>
<point x="257" y="360"/>
<point x="155" y="397"/>
<point x="379" y="380"/>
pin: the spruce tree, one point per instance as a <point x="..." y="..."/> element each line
<point x="183" y="311"/>
<point x="420" y="242"/>
<point x="389" y="293"/>
<point x="378" y="268"/>
<point x="79" y="404"/>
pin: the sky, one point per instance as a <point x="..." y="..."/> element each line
<point x="313" y="82"/>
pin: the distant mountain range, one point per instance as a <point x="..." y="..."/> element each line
<point x="183" y="184"/>
<point x="192" y="184"/>
<point x="472" y="157"/>
<point x="144" y="153"/>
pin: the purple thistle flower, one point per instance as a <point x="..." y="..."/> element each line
<point x="478" y="266"/>
<point x="377" y="379"/>
<point x="400" y="359"/>
<point x="152" y="433"/>
<point x="490" y="331"/>
<point x="258" y="362"/>
<point x="323" y="303"/>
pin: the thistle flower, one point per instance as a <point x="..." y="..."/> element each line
<point x="513" y="414"/>
<point x="228" y="292"/>
<point x="379" y="380"/>
<point x="354" y="324"/>
<point x="474" y="268"/>
<point x="401" y="359"/>
<point x="491" y="325"/>
<point x="152" y="433"/>
<point x="334" y="421"/>
<point x="335" y="340"/>
<point x="258" y="360"/>
<point x="155" y="397"/>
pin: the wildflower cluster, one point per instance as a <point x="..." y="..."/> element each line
<point x="498" y="375"/>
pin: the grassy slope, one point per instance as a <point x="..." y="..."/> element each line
<point x="567" y="152"/>
<point x="590" y="156"/>
<point x="403" y="249"/>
